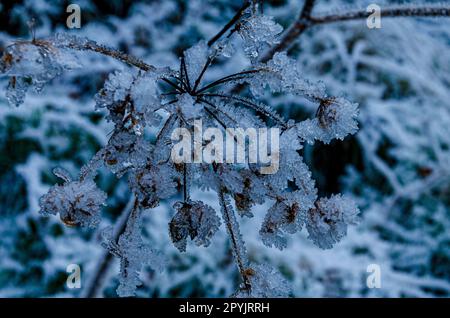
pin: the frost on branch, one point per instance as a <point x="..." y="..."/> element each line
<point x="327" y="222"/>
<point x="264" y="281"/>
<point x="258" y="32"/>
<point x="193" y="219"/>
<point x="133" y="254"/>
<point x="77" y="202"/>
<point x="335" y="119"/>
<point x="33" y="64"/>
<point x="238" y="245"/>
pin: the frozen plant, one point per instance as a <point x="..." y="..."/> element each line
<point x="146" y="96"/>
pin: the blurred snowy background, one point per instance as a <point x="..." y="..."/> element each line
<point x="397" y="167"/>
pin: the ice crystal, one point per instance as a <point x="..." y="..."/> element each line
<point x="258" y="32"/>
<point x="225" y="48"/>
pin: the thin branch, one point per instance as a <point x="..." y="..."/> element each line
<point x="237" y="244"/>
<point x="217" y="109"/>
<point x="199" y="78"/>
<point x="214" y="116"/>
<point x="397" y="11"/>
<point x="259" y="108"/>
<point x="76" y="44"/>
<point x="307" y="9"/>
<point x="184" y="75"/>
<point x="305" y="20"/>
<point x="233" y="20"/>
<point x="228" y="78"/>
<point x="96" y="281"/>
<point x="178" y="88"/>
<point x="297" y="28"/>
<point x="185" y="187"/>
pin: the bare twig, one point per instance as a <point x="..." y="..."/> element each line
<point x="233" y="20"/>
<point x="297" y="28"/>
<point x="228" y="78"/>
<point x="199" y="78"/>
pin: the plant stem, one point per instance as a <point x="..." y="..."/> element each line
<point x="230" y="23"/>
<point x="237" y="244"/>
<point x="96" y="281"/>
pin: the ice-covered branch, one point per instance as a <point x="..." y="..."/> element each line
<point x="83" y="44"/>
<point x="237" y="243"/>
<point x="95" y="282"/>
<point x="395" y="11"/>
<point x="306" y="20"/>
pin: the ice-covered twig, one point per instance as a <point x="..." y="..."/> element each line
<point x="95" y="282"/>
<point x="237" y="243"/>
<point x="77" y="43"/>
<point x="306" y="20"/>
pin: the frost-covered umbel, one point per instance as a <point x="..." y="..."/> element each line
<point x="167" y="99"/>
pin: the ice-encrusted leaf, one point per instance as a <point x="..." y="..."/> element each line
<point x="327" y="222"/>
<point x="77" y="202"/>
<point x="258" y="32"/>
<point x="153" y="182"/>
<point x="194" y="220"/>
<point x="284" y="216"/>
<point x="33" y="64"/>
<point x="265" y="282"/>
<point x="335" y="119"/>
<point x="253" y="192"/>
